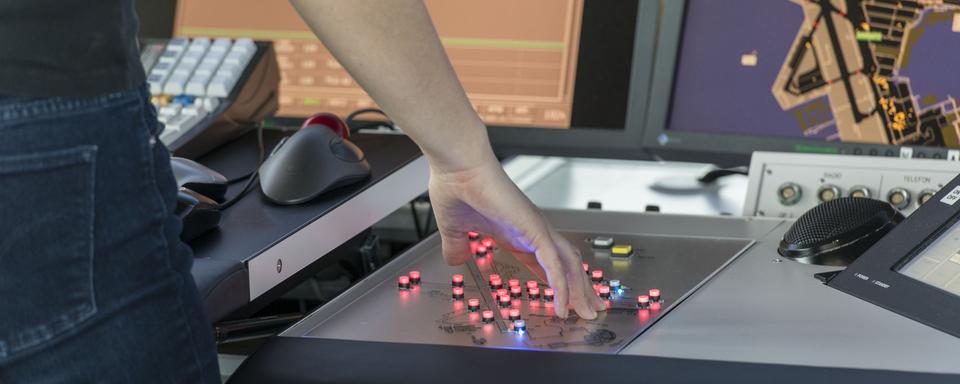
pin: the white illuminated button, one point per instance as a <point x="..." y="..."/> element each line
<point x="603" y="242"/>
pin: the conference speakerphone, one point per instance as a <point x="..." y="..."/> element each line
<point x="690" y="299"/>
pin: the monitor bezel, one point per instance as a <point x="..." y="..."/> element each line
<point x="726" y="149"/>
<point x="599" y="142"/>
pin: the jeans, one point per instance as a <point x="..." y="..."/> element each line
<point x="95" y="285"/>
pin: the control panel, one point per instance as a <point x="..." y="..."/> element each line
<point x="495" y="301"/>
<point x="209" y="91"/>
<point x="786" y="185"/>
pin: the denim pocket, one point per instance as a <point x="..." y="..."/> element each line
<point x="46" y="246"/>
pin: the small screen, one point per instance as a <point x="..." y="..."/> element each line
<point x="939" y="263"/>
<point x="871" y="71"/>
<point x="517" y="60"/>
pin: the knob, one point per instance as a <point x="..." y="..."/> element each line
<point x="925" y="195"/>
<point x="828" y="192"/>
<point x="859" y="191"/>
<point x="899" y="198"/>
<point x="789" y="193"/>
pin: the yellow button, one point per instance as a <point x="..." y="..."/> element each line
<point x="622" y="250"/>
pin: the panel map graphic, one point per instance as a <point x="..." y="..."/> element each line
<point x="874" y="71"/>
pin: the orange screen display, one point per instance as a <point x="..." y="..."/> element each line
<point x="516" y="59"/>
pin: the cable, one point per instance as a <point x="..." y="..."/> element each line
<point x="354" y="126"/>
<point x="252" y="177"/>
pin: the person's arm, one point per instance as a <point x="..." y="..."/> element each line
<point x="392" y="50"/>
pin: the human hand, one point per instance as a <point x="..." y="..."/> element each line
<point x="484" y="199"/>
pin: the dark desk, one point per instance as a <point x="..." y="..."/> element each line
<point x="259" y="244"/>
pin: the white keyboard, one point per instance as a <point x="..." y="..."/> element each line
<point x="190" y="78"/>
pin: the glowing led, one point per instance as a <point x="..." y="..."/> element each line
<point x="504" y="300"/>
<point x="514" y="314"/>
<point x="487" y="316"/>
<point x="597" y="275"/>
<point x="532" y="284"/>
<point x="457" y="280"/>
<point x="513" y="282"/>
<point x="496" y="283"/>
<point x="403" y="282"/>
<point x="473" y="235"/>
<point x="488" y="242"/>
<point x="643" y="301"/>
<point x="473" y="305"/>
<point x="534" y="293"/>
<point x="654" y="294"/>
<point x="548" y="293"/>
<point x="604" y="291"/>
<point x="494" y="276"/>
<point x="516" y="291"/>
<point x="519" y="326"/>
<point x="457" y="292"/>
<point x="415" y="277"/>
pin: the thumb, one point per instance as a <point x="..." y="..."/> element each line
<point x="456" y="247"/>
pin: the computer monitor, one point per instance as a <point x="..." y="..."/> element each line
<point x="548" y="76"/>
<point x="850" y="77"/>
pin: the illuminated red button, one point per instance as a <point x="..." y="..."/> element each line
<point x="473" y="305"/>
<point x="481" y="251"/>
<point x="473" y="235"/>
<point x="604" y="291"/>
<point x="534" y="293"/>
<point x="516" y="292"/>
<point x="487" y="316"/>
<point x="404" y="282"/>
<point x="458" y="293"/>
<point x="488" y="242"/>
<point x="596" y="275"/>
<point x="496" y="283"/>
<point x="502" y="292"/>
<point x="513" y="282"/>
<point x="514" y="314"/>
<point x="415" y="277"/>
<point x="548" y="294"/>
<point x="586" y="267"/>
<point x="532" y="284"/>
<point x="654" y="294"/>
<point x="493" y="277"/>
<point x="504" y="300"/>
<point x="643" y="301"/>
<point x="457" y="280"/>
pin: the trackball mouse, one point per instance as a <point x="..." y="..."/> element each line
<point x="309" y="163"/>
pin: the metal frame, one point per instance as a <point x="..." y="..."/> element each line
<point x="874" y="276"/>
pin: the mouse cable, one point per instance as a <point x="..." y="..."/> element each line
<point x="252" y="177"/>
<point x="355" y="126"/>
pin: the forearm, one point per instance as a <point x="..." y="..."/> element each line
<point x="392" y="50"/>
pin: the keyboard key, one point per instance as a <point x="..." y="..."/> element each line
<point x="244" y="45"/>
<point x="170" y="109"/>
<point x="220" y="86"/>
<point x="177" y="44"/>
<point x="199" y="44"/>
<point x="197" y="85"/>
<point x="220" y="45"/>
<point x="175" y="84"/>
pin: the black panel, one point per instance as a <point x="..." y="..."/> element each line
<point x="874" y="276"/>
<point x="603" y="64"/>
<point x="310" y="360"/>
<point x="156" y="18"/>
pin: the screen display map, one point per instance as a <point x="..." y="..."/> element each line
<point x="865" y="71"/>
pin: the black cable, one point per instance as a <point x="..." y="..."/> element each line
<point x="239" y="178"/>
<point x="715" y="174"/>
<point x="354" y="127"/>
<point x="252" y="177"/>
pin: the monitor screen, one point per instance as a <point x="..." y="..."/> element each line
<point x="821" y="76"/>
<point x="517" y="60"/>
